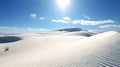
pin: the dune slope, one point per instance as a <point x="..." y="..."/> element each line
<point x="62" y="51"/>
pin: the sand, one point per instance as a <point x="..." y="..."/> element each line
<point x="62" y="49"/>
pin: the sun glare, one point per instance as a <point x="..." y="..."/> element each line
<point x="63" y="4"/>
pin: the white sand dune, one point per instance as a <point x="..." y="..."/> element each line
<point x="38" y="50"/>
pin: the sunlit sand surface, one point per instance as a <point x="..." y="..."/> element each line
<point x="62" y="49"/>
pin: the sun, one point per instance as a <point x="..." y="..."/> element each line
<point x="63" y="4"/>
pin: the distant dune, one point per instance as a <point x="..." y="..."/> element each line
<point x="71" y="47"/>
<point x="70" y="29"/>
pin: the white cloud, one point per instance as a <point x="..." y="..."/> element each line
<point x="89" y="22"/>
<point x="41" y="18"/>
<point x="66" y="18"/>
<point x="110" y="27"/>
<point x="59" y="21"/>
<point x="63" y="20"/>
<point x="85" y="21"/>
<point x="33" y="15"/>
<point x="22" y="30"/>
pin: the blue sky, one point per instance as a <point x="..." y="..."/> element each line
<point x="44" y="15"/>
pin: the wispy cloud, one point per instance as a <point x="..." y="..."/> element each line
<point x="85" y="21"/>
<point x="33" y="15"/>
<point x="22" y="30"/>
<point x="91" y="22"/>
<point x="66" y="18"/>
<point x="59" y="21"/>
<point x="41" y="18"/>
<point x="63" y="20"/>
<point x="110" y="27"/>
